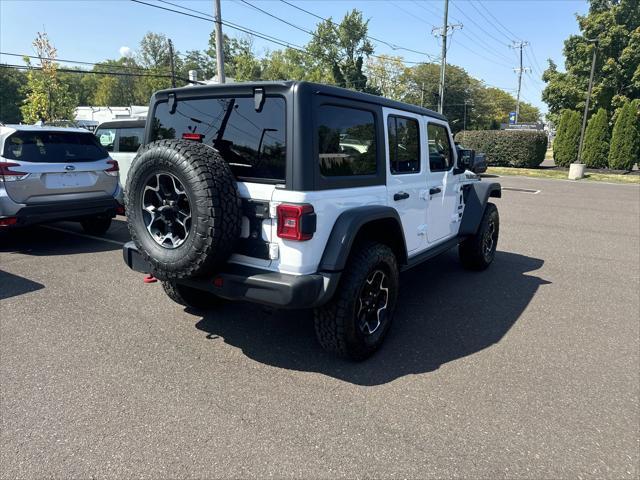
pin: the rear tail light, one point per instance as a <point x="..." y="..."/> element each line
<point x="8" y="221"/>
<point x="113" y="169"/>
<point x="196" y="137"/>
<point x="120" y="210"/>
<point x="11" y="175"/>
<point x="296" y="222"/>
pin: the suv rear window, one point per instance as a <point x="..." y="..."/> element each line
<point x="252" y="143"/>
<point x="346" y="141"/>
<point x="53" y="147"/>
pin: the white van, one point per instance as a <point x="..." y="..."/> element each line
<point x="122" y="138"/>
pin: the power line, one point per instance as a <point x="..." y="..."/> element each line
<point x="489" y="48"/>
<point x="509" y="32"/>
<point x="77" y="62"/>
<point x="508" y="37"/>
<point x="488" y="34"/>
<point x="93" y="72"/>
<point x="241" y="28"/>
<point x="393" y="46"/>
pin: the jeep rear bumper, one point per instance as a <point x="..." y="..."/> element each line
<point x="239" y="282"/>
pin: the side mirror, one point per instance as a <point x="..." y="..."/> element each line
<point x="465" y="160"/>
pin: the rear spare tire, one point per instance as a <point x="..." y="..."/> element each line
<point x="183" y="208"/>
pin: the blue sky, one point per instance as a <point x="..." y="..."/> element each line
<point x="93" y="30"/>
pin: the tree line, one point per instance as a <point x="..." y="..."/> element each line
<point x="611" y="28"/>
<point x="338" y="53"/>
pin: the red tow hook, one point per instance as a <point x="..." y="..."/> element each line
<point x="149" y="279"/>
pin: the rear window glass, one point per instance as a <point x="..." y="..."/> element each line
<point x="346" y="141"/>
<point x="252" y="143"/>
<point x="129" y="139"/>
<point x="53" y="147"/>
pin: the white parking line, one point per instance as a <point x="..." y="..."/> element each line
<point x="523" y="190"/>
<point x="93" y="237"/>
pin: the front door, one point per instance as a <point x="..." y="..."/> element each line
<point x="442" y="184"/>
<point x="406" y="174"/>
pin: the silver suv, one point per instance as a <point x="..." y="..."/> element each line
<point x="49" y="174"/>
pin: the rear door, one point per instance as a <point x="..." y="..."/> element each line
<point x="406" y="175"/>
<point x="57" y="165"/>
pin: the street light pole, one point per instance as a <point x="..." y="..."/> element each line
<point x="219" y="41"/>
<point x="586" y="105"/>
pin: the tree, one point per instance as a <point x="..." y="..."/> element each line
<point x="154" y="56"/>
<point x="119" y="90"/>
<point x="199" y="61"/>
<point x="342" y="49"/>
<point x="385" y="74"/>
<point x="616" y="26"/>
<point x="47" y="98"/>
<point x="240" y="63"/>
<point x="293" y="64"/>
<point x="11" y="95"/>
<point x="595" y="151"/>
<point x="565" y="145"/>
<point x="625" y="140"/>
<point x="486" y="107"/>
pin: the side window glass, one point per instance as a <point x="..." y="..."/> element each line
<point x="440" y="155"/>
<point x="107" y="137"/>
<point x="346" y="141"/>
<point x="404" y="145"/>
<point x="130" y="139"/>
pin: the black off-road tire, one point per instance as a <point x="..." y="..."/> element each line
<point x="478" y="251"/>
<point x="336" y="323"/>
<point x="96" y="225"/>
<point x="213" y="199"/>
<point x="190" y="297"/>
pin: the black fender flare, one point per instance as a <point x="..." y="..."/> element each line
<point x="347" y="227"/>
<point x="475" y="201"/>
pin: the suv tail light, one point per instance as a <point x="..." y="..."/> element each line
<point x="296" y="222"/>
<point x="11" y="175"/>
<point x="114" y="169"/>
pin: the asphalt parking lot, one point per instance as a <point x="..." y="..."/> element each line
<point x="527" y="370"/>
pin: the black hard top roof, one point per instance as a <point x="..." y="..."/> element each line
<point x="318" y="88"/>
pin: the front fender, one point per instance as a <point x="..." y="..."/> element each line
<point x="475" y="201"/>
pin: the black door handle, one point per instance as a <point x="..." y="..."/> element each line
<point x="400" y="196"/>
<point x="434" y="191"/>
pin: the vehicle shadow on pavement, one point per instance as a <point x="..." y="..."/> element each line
<point x="13" y="285"/>
<point x="444" y="313"/>
<point x="44" y="241"/>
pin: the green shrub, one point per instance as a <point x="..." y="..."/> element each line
<point x="595" y="150"/>
<point x="507" y="148"/>
<point x="625" y="140"/>
<point x="565" y="145"/>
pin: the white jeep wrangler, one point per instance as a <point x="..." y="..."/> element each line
<point x="299" y="195"/>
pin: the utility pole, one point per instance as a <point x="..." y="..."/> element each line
<point x="219" y="41"/>
<point x="520" y="45"/>
<point x="586" y="105"/>
<point x="444" y="32"/>
<point x="464" y="122"/>
<point x="173" y="67"/>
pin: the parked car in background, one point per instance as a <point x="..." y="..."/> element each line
<point x="122" y="138"/>
<point x="52" y="173"/>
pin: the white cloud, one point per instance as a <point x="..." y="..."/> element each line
<point x="125" y="52"/>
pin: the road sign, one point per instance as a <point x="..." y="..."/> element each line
<point x="512" y="118"/>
